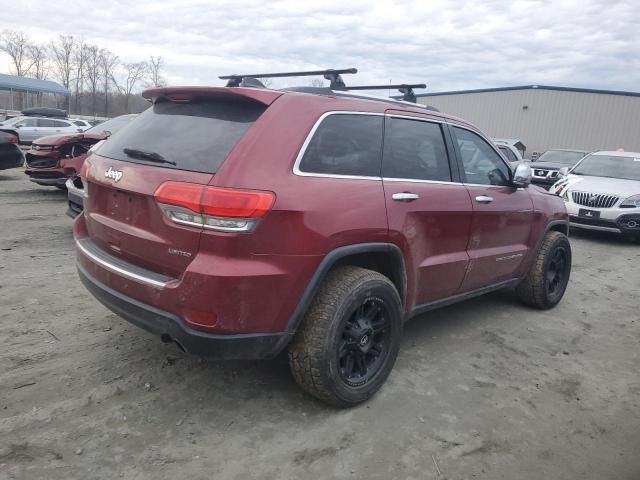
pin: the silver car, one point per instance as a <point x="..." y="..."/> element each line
<point x="602" y="192"/>
<point x="27" y="129"/>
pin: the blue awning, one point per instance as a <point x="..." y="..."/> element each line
<point x="31" y="85"/>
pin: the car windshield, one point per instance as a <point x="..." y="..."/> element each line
<point x="561" y="156"/>
<point x="610" y="166"/>
<point x="111" y="126"/>
<point x="12" y="121"/>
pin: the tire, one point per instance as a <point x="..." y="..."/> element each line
<point x="547" y="280"/>
<point x="355" y="317"/>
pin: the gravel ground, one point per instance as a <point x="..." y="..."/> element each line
<point x="485" y="389"/>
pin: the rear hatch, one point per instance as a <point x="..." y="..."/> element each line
<point x="184" y="137"/>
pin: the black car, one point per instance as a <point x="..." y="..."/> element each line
<point x="547" y="166"/>
<point x="10" y="154"/>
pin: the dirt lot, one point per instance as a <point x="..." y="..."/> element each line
<point x="486" y="389"/>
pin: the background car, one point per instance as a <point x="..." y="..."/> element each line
<point x="82" y="124"/>
<point x="602" y="192"/>
<point x="55" y="158"/>
<point x="512" y="148"/>
<point x="510" y="152"/>
<point x="10" y="154"/>
<point x="27" y="128"/>
<point x="546" y="166"/>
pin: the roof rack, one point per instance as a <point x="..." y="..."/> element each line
<point x="406" y="89"/>
<point x="251" y="80"/>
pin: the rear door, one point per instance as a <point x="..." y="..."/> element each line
<point x="502" y="214"/>
<point x="181" y="141"/>
<point x="429" y="210"/>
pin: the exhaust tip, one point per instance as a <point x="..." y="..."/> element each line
<point x="166" y="338"/>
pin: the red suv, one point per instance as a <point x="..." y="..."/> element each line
<point x="238" y="222"/>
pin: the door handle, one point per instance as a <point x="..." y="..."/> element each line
<point x="484" y="199"/>
<point x="405" y="197"/>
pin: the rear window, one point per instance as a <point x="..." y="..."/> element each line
<point x="195" y="136"/>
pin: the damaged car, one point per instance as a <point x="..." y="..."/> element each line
<point x="55" y="158"/>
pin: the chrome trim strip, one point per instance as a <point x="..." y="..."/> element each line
<point x="420" y="119"/>
<point x="414" y="180"/>
<point x="115" y="265"/>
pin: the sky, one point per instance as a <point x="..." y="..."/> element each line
<point x="449" y="45"/>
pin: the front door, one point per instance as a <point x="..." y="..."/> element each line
<point x="502" y="214"/>
<point x="429" y="212"/>
<point x="29" y="130"/>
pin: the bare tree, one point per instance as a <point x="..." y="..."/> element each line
<point x="155" y="72"/>
<point x="267" y="82"/>
<point x="16" y="45"/>
<point x="39" y="61"/>
<point x="133" y="73"/>
<point x="62" y="55"/>
<point x="92" y="73"/>
<point x="108" y="63"/>
<point x="80" y="55"/>
<point x="317" y="82"/>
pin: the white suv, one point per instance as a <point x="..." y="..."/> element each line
<point x="602" y="192"/>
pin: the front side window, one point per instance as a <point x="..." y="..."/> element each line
<point x="415" y="149"/>
<point x="345" y="144"/>
<point x="482" y="165"/>
<point x="29" y="122"/>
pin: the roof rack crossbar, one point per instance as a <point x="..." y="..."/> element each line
<point x="333" y="75"/>
<point x="406" y="89"/>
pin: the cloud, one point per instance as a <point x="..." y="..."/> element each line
<point x="447" y="44"/>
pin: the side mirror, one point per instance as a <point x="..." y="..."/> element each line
<point x="522" y="176"/>
<point x="107" y="133"/>
<point x="18" y="126"/>
<point x="563" y="172"/>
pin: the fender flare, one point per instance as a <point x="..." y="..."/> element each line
<point x="329" y="261"/>
<point x="547" y="228"/>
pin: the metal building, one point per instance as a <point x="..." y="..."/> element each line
<point x="17" y="93"/>
<point x="545" y="117"/>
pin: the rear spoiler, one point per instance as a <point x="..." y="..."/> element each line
<point x="187" y="94"/>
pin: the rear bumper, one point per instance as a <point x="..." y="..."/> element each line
<point x="171" y="328"/>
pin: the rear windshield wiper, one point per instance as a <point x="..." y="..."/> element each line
<point x="151" y="156"/>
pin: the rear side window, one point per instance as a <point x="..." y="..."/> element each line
<point x="345" y="144"/>
<point x="415" y="150"/>
<point x="196" y="136"/>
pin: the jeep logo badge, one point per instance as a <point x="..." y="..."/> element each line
<point x="114" y="175"/>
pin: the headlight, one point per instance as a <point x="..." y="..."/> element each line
<point x="565" y="195"/>
<point x="631" y="202"/>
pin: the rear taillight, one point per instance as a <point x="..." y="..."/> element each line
<point x="213" y="208"/>
<point x="12" y="139"/>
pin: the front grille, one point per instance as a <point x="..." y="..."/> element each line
<point x="544" y="173"/>
<point x="594" y="200"/>
<point x="35" y="161"/>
